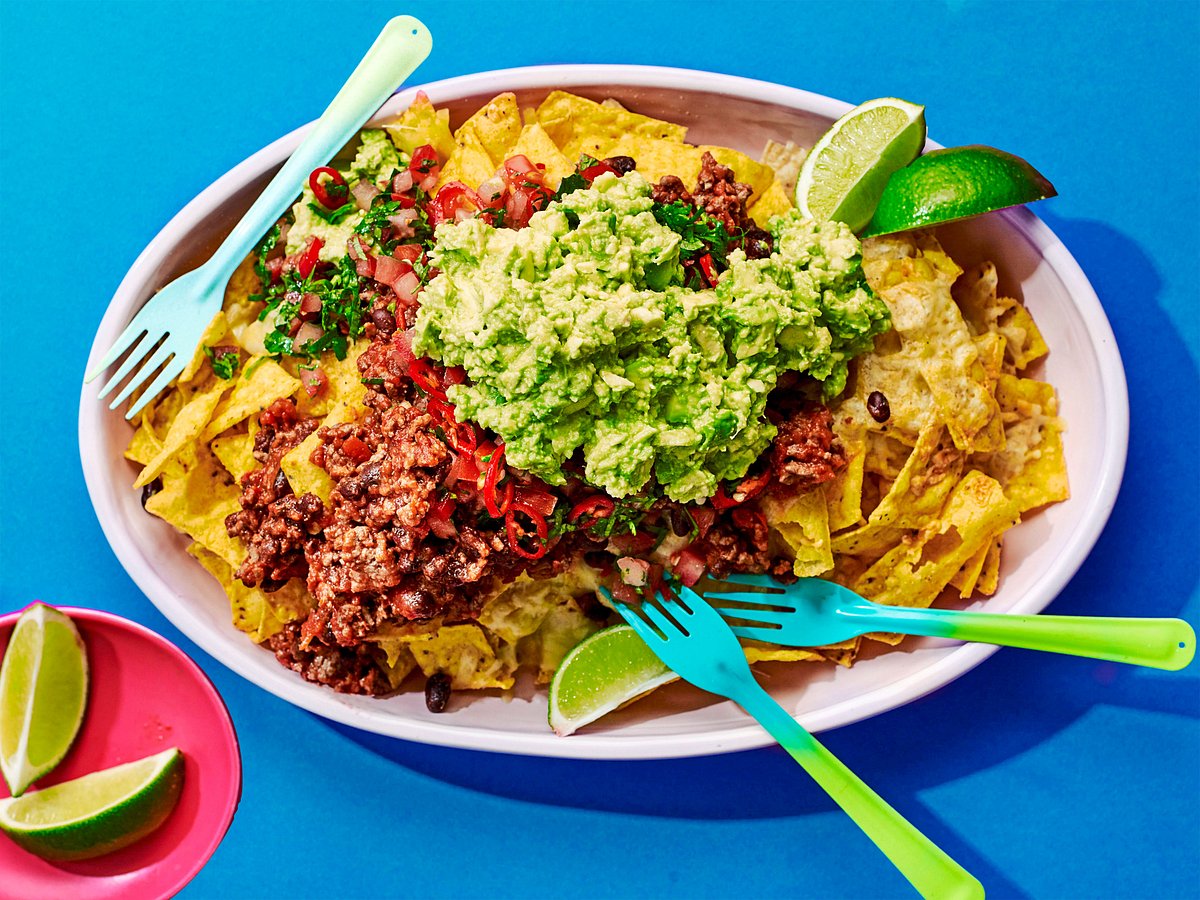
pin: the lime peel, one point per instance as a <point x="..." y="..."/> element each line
<point x="97" y="813"/>
<point x="43" y="695"/>
<point x="603" y="672"/>
<point x="845" y="173"/>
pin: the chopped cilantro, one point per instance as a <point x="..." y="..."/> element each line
<point x="575" y="181"/>
<point x="334" y="216"/>
<point x="224" y="361"/>
<point x="700" y="232"/>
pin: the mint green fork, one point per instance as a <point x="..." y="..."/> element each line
<point x="692" y="639"/>
<point x="814" y="612"/>
<point x="170" y="325"/>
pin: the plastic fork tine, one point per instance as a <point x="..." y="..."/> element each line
<point x="173" y="368"/>
<point x="635" y="621"/>
<point x="652" y="612"/>
<point x="160" y="356"/>
<point x="775" y="601"/>
<point x="119" y="346"/>
<point x="136" y="355"/>
<point x="766" y="616"/>
<point x="766" y="635"/>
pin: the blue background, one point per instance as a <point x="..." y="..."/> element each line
<point x="1046" y="776"/>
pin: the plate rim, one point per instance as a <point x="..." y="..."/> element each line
<point x="288" y="686"/>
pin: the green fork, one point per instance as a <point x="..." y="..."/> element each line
<point x="814" y="612"/>
<point x="171" y="324"/>
<point x="692" y="639"/>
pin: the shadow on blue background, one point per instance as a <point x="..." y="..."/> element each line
<point x="910" y="750"/>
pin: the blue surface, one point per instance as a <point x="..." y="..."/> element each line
<point x="1046" y="776"/>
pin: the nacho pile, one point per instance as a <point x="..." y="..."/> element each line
<point x="969" y="445"/>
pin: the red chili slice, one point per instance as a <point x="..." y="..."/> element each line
<point x="312" y="254"/>
<point x="540" y="528"/>
<point x="591" y="173"/>
<point x="721" y="500"/>
<point x="592" y="510"/>
<point x="495" y="471"/>
<point x="331" y="194"/>
<point x="535" y="498"/>
<point x="706" y="263"/>
<point x="424" y="376"/>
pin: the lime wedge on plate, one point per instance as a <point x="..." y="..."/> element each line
<point x="43" y="692"/>
<point x="956" y="183"/>
<point x="98" y="813"/>
<point x="604" y="671"/>
<point x="844" y="175"/>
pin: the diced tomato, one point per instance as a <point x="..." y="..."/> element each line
<point x="591" y="173"/>
<point x="706" y="264"/>
<point x="446" y="204"/>
<point x="704" y="517"/>
<point x="410" y="252"/>
<point x="534" y="498"/>
<point x="356" y="449"/>
<point x="688" y="566"/>
<point x="314" y="381"/>
<point x="424" y="162"/>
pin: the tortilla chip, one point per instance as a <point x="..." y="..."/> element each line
<point x="215" y="333"/>
<point x="786" y="161"/>
<point x="256" y="612"/>
<point x="966" y="578"/>
<point x="236" y="453"/>
<point x="185" y="429"/>
<point x="843" y="495"/>
<point x="262" y="382"/>
<point x="802" y="522"/>
<point x="535" y="144"/>
<point x="989" y="576"/>
<point x="774" y="201"/>
<point x="304" y="475"/>
<point x="757" y="652"/>
<point x="196" y="500"/>
<point x="144" y="445"/>
<point x="470" y="163"/>
<point x="578" y="125"/>
<point x="465" y="654"/>
<point x="1031" y="467"/>
<point x="421" y="124"/>
<point x="914" y="573"/>
<point x="656" y="158"/>
<point x="495" y="127"/>
<point x="976" y="293"/>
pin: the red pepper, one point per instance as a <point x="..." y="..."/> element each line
<point x="356" y="449"/>
<point x="331" y="194"/>
<point x="539" y="525"/>
<point x="721" y="500"/>
<point x="706" y="263"/>
<point x="312" y="254"/>
<point x="495" y="470"/>
<point x="424" y="376"/>
<point x="592" y="510"/>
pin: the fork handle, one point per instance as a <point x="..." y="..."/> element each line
<point x="402" y="45"/>
<point x="1159" y="643"/>
<point x="930" y="870"/>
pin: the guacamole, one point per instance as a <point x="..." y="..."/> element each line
<point x="576" y="332"/>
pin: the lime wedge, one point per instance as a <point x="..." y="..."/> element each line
<point x="43" y="692"/>
<point x="844" y="174"/>
<point x="98" y="813"/>
<point x="604" y="671"/>
<point x="956" y="183"/>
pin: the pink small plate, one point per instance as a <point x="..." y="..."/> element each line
<point x="145" y="696"/>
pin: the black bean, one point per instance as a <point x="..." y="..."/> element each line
<point x="681" y="522"/>
<point x="623" y="164"/>
<point x="149" y="490"/>
<point x="878" y="407"/>
<point x="437" y="692"/>
<point x="758" y="244"/>
<point x="385" y="322"/>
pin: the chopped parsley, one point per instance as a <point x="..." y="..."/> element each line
<point x="575" y="181"/>
<point x="261" y="252"/>
<point x="377" y="220"/>
<point x="700" y="232"/>
<point x="342" y="311"/>
<point x="334" y="216"/>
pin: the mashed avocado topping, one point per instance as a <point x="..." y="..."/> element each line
<point x="576" y="332"/>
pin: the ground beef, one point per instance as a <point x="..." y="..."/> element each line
<point x="349" y="670"/>
<point x="670" y="189"/>
<point x="805" y="453"/>
<point x="384" y="368"/>
<point x="719" y="195"/>
<point x="275" y="524"/>
<point x="739" y="541"/>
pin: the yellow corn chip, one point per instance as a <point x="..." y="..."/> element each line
<point x="421" y="124"/>
<point x="185" y="429"/>
<point x="495" y="127"/>
<point x="843" y="495"/>
<point x="1031" y="467"/>
<point x="196" y="501"/>
<point x="236" y="453"/>
<point x="304" y="475"/>
<point x="802" y="522"/>
<point x="757" y="652"/>
<point x="465" y="654"/>
<point x="989" y="577"/>
<point x="913" y="574"/>
<point x="262" y="382"/>
<point x="143" y="446"/>
<point x="774" y="201"/>
<point x="576" y="124"/>
<point x="255" y="612"/>
<point x="975" y="292"/>
<point x="535" y="144"/>
<point x="656" y="158"/>
<point x="967" y="577"/>
<point x="469" y="163"/>
<point x="216" y="332"/>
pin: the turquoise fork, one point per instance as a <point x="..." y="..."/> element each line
<point x="171" y="324"/>
<point x="691" y="638"/>
<point x="813" y="612"/>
